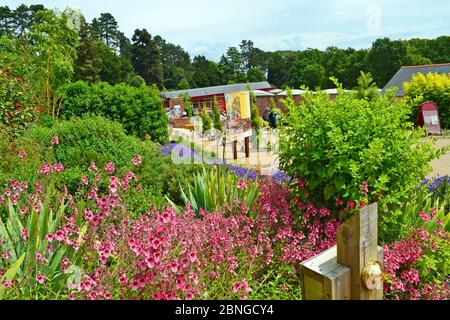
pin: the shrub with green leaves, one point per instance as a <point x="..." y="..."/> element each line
<point x="16" y="104"/>
<point x="355" y="149"/>
<point x="83" y="141"/>
<point x="431" y="87"/>
<point x="139" y="109"/>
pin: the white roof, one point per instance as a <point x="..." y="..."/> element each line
<point x="276" y="91"/>
<point x="293" y="92"/>
<point x="261" y="93"/>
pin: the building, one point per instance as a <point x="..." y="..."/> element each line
<point x="204" y="97"/>
<point x="405" y="74"/>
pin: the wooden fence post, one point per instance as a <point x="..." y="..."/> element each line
<point x="353" y="268"/>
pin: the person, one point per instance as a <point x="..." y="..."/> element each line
<point x="266" y="114"/>
<point x="272" y="118"/>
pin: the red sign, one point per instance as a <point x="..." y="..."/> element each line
<point x="429" y="118"/>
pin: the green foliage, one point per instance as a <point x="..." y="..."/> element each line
<point x="146" y="58"/>
<point x="366" y="88"/>
<point x="213" y="190"/>
<point x="43" y="56"/>
<point x="188" y="107"/>
<point x="257" y="120"/>
<point x="206" y="120"/>
<point x="139" y="110"/>
<point x="217" y="121"/>
<point x="407" y="215"/>
<point x="338" y="145"/>
<point x="137" y="82"/>
<point x="430" y="87"/>
<point x="16" y="104"/>
<point x="23" y="251"/>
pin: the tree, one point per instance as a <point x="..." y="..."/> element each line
<point x="233" y="67"/>
<point x="206" y="120"/>
<point x="255" y="75"/>
<point x="305" y="73"/>
<point x="431" y="87"/>
<point x="106" y="29"/>
<point x="114" y="69"/>
<point x="88" y="62"/>
<point x="176" y="63"/>
<point x="366" y="88"/>
<point x="6" y="21"/>
<point x="188" y="107"/>
<point x="206" y="73"/>
<point x="137" y="82"/>
<point x="217" y="121"/>
<point x="146" y="58"/>
<point x="385" y="59"/>
<point x="53" y="47"/>
<point x="183" y="84"/>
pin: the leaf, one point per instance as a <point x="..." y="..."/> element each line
<point x="10" y="274"/>
<point x="314" y="183"/>
<point x="32" y="242"/>
<point x="328" y="192"/>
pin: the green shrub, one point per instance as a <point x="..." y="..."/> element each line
<point x="206" y="121"/>
<point x="138" y="109"/>
<point x="343" y="147"/>
<point x="95" y="139"/>
<point x="430" y="87"/>
<point x="16" y="103"/>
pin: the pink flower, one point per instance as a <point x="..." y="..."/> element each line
<point x="40" y="278"/>
<point x="241" y="185"/>
<point x="424" y="216"/>
<point x="55" y="141"/>
<point x="193" y="256"/>
<point x="137" y="160"/>
<point x="84" y="180"/>
<point x="49" y="237"/>
<point x="58" y="167"/>
<point x="6" y="255"/>
<point x="93" y="167"/>
<point x="45" y="170"/>
<point x="24" y="234"/>
<point x="236" y="287"/>
<point x="7" y="283"/>
<point x="351" y="204"/>
<point x="22" y="154"/>
<point x="110" y="168"/>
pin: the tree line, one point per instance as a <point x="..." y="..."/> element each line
<point x="105" y="54"/>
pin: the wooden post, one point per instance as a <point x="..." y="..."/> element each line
<point x="247" y="147"/>
<point x="357" y="247"/>
<point x="235" y="150"/>
<point x="353" y="268"/>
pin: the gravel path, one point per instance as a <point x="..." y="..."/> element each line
<point x="442" y="165"/>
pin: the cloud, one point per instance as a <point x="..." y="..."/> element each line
<point x="210" y="27"/>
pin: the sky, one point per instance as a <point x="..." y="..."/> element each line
<point x="209" y="27"/>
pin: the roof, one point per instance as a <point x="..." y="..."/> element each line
<point x="294" y="92"/>
<point x="209" y="91"/>
<point x="405" y="74"/>
<point x="261" y="93"/>
<point x="276" y="91"/>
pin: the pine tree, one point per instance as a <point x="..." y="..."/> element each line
<point x="146" y="58"/>
<point x="88" y="63"/>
